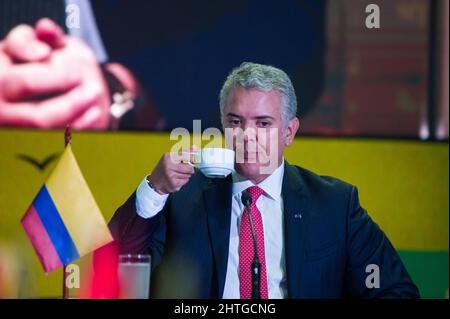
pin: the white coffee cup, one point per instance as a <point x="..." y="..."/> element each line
<point x="214" y="162"/>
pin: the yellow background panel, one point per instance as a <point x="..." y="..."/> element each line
<point x="402" y="184"/>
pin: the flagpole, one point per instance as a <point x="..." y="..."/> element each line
<point x="67" y="140"/>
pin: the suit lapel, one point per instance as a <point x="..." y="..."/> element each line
<point x="295" y="201"/>
<point x="217" y="198"/>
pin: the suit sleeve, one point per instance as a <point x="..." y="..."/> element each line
<point x="137" y="235"/>
<point x="374" y="268"/>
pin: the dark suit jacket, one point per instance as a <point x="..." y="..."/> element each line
<point x="329" y="240"/>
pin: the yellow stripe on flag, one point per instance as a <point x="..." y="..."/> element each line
<point x="77" y="206"/>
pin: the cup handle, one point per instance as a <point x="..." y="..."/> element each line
<point x="189" y="162"/>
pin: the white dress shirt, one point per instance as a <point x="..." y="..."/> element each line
<point x="87" y="28"/>
<point x="270" y="204"/>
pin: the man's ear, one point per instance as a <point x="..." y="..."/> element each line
<point x="291" y="130"/>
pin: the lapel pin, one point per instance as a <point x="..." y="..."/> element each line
<point x="297" y="216"/>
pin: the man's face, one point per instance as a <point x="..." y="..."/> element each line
<point x="258" y="114"/>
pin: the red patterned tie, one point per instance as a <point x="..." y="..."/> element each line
<point x="246" y="249"/>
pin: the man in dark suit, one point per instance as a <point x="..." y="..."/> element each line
<point x="314" y="240"/>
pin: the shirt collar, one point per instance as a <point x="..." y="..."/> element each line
<point x="271" y="185"/>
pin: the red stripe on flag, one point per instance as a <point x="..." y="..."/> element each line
<point x="40" y="240"/>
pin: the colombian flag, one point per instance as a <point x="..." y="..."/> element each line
<point x="64" y="221"/>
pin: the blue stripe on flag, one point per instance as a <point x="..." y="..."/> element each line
<point x="54" y="225"/>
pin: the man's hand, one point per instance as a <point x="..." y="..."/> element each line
<point x="170" y="175"/>
<point x="49" y="80"/>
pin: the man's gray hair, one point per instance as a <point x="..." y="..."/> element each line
<point x="263" y="78"/>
